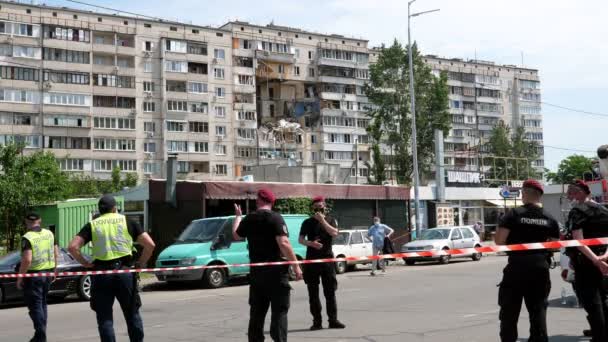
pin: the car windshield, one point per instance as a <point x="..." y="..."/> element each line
<point x="341" y="239"/>
<point x="435" y="234"/>
<point x="201" y="231"/>
<point x="10" y="259"/>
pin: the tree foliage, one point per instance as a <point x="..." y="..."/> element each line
<point x="388" y="93"/>
<point x="512" y="154"/>
<point x="297" y="206"/>
<point x="569" y="169"/>
<point x="377" y="166"/>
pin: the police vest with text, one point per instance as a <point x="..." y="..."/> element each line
<point x="592" y="218"/>
<point x="111" y="239"/>
<point x="43" y="249"/>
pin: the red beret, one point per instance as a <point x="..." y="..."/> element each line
<point x="534" y="184"/>
<point x="582" y="185"/>
<point x="266" y="195"/>
<point x="318" y="199"/>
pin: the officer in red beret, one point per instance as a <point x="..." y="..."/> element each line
<point x="586" y="220"/>
<point x="317" y="235"/>
<point x="268" y="238"/>
<point x="526" y="276"/>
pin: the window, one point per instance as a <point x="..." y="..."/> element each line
<point x="176" y="86"/>
<point x="148" y="46"/>
<point x="220" y="150"/>
<point x="218" y="73"/>
<point x="176" y="66"/>
<point x="150" y="147"/>
<point x="114" y="123"/>
<point x="147" y="25"/>
<point x="20" y="74"/>
<point x="363" y="123"/>
<point x="456" y="234"/>
<point x="199" y="107"/>
<point x="149" y="86"/>
<point x="220" y="131"/>
<point x="66" y="121"/>
<point x="109" y="165"/>
<point x="72" y="143"/>
<point x="246" y="44"/>
<point x="109" y="144"/>
<point x="173" y="28"/>
<point x="21" y="51"/>
<point x="356" y="238"/>
<point x="114" y="102"/>
<point x="339" y="155"/>
<point x="198" y="126"/>
<point x="197" y="87"/>
<point x="65" y="33"/>
<point x="201" y="147"/>
<point x="250" y="116"/>
<point x="220" y="111"/>
<point x="297" y="53"/>
<point x="176" y="46"/>
<point x="104" y="80"/>
<point x="244" y="79"/>
<point x="220" y="92"/>
<point x="195" y="31"/>
<point x="176" y="126"/>
<point x="19" y="29"/>
<point x="177" y="106"/>
<point x="197" y="49"/>
<point x="66" y="56"/>
<point x="71" y="164"/>
<point x="281" y="69"/>
<point x="221" y="169"/>
<point x="149" y="107"/>
<point x="296" y="70"/>
<point x="197" y="68"/>
<point x="246" y="133"/>
<point x="177" y="146"/>
<point x="182" y="167"/>
<point x="467" y="233"/>
<point x="150" y="168"/>
<point x="149" y="126"/>
<point x="67" y="77"/>
<point x="148" y="67"/>
<point x="313" y="139"/>
<point x="67" y="99"/>
<point x="219" y="53"/>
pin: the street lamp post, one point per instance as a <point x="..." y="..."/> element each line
<point x="413" y="112"/>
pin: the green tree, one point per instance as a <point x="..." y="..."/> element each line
<point x="115" y="179"/>
<point x="377" y="166"/>
<point x="130" y="180"/>
<point x="512" y="154"/>
<point x="84" y="186"/>
<point x="388" y="93"/>
<point x="28" y="179"/>
<point x="569" y="169"/>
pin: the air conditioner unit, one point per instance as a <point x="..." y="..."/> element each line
<point x="220" y="137"/>
<point x="214" y="61"/>
<point x="148" y="94"/>
<point x="213" y="98"/>
<point x="242" y="123"/>
<point x="150" y="134"/>
<point x="149" y="155"/>
<point x="266" y="53"/>
<point x="116" y="69"/>
<point x="133" y="112"/>
<point x="147" y="54"/>
<point x="344" y="113"/>
<point x="47" y="85"/>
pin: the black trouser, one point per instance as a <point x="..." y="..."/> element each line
<point x="268" y="290"/>
<point x="589" y="284"/>
<point x="326" y="272"/>
<point x="532" y="285"/>
<point x="35" y="291"/>
<point x="104" y="289"/>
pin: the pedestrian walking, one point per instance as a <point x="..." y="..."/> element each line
<point x="317" y="233"/>
<point x="526" y="276"/>
<point x="587" y="220"/>
<point x="38" y="254"/>
<point x="378" y="232"/>
<point x="268" y="240"/>
<point x="112" y="237"/>
<point x="480" y="230"/>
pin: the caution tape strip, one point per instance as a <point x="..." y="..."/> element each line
<point x="417" y="254"/>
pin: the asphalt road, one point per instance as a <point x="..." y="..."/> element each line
<point x="455" y="302"/>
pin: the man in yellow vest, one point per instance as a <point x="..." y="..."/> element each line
<point x="112" y="239"/>
<point x="38" y="254"/>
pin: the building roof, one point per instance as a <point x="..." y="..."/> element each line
<point x="292" y="29"/>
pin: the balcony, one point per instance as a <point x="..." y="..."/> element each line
<point x="275" y="57"/>
<point x="342" y="80"/>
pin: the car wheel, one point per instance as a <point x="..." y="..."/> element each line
<point x="341" y="266"/>
<point x="444" y="259"/>
<point x="84" y="288"/>
<point x="476" y="256"/>
<point x="1" y="295"/>
<point x="214" y="278"/>
<point x="410" y="262"/>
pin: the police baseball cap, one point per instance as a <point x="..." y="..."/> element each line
<point x="582" y="185"/>
<point x="534" y="184"/>
<point x="106" y="203"/>
<point x="31" y="216"/>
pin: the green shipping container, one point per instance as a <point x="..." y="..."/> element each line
<point x="69" y="217"/>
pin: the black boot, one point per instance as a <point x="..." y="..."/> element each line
<point x="336" y="325"/>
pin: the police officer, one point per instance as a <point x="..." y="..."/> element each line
<point x="587" y="220"/>
<point x="38" y="254"/>
<point x="112" y="239"/>
<point x="268" y="241"/>
<point x="526" y="276"/>
<point x="317" y="234"/>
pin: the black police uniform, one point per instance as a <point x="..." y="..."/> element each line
<point x="312" y="230"/>
<point x="105" y="288"/>
<point x="268" y="285"/>
<point x="35" y="291"/>
<point x="592" y="218"/>
<point x="526" y="276"/>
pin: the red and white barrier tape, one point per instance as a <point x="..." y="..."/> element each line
<point x="426" y="253"/>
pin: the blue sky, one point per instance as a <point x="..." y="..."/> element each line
<point x="563" y="39"/>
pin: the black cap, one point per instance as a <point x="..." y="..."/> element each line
<point x="106" y="203"/>
<point x="32" y="216"/>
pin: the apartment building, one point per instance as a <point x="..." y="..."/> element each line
<point x="481" y="95"/>
<point x="102" y="91"/>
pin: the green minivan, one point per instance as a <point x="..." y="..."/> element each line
<point x="209" y="242"/>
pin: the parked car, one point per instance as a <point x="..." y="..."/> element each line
<point x="444" y="238"/>
<point x="351" y="243"/>
<point x="61" y="287"/>
<point x="209" y="242"/>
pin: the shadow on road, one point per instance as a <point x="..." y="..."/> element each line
<point x="188" y="286"/>
<point x="50" y="301"/>
<point x="562" y="338"/>
<point x="557" y="303"/>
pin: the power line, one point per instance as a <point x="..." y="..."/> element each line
<point x="567" y="149"/>
<point x="575" y="110"/>
<point x="116" y="10"/>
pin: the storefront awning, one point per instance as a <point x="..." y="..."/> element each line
<point x="510" y="203"/>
